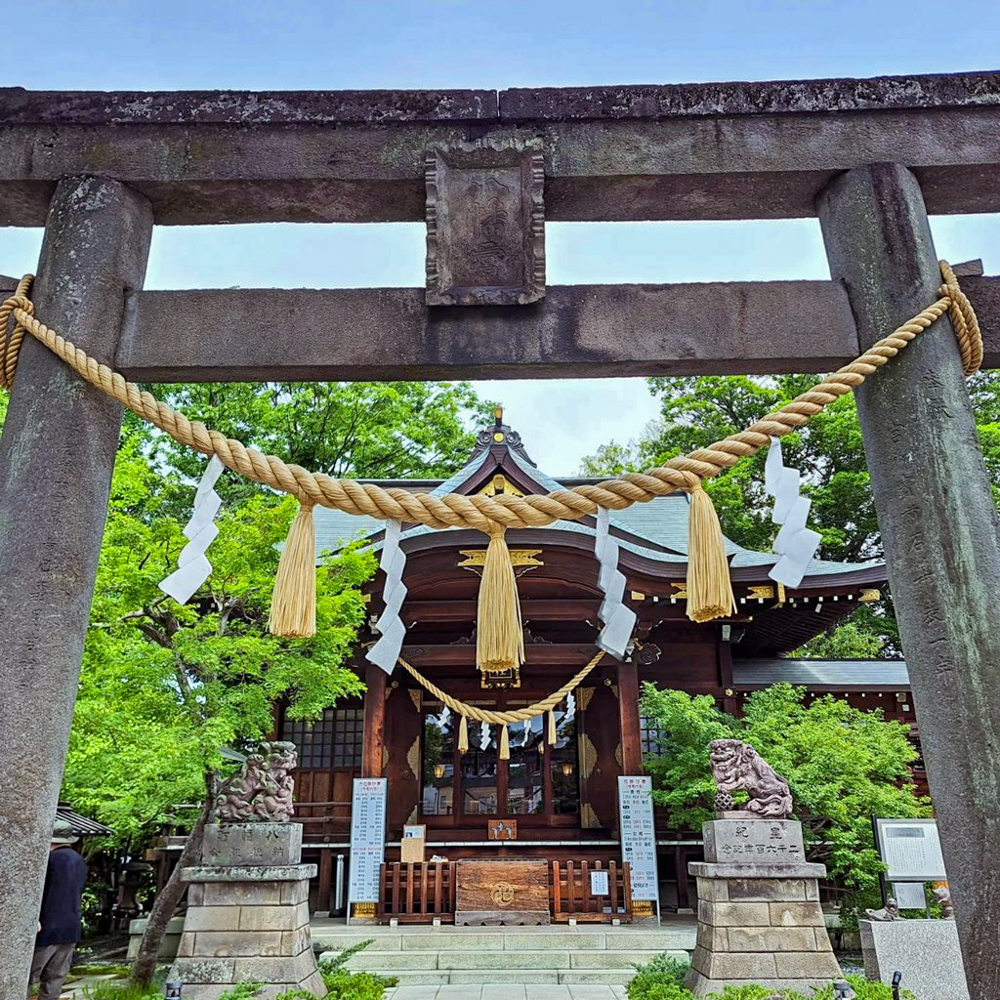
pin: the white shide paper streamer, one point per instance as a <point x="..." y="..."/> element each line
<point x="795" y="543"/>
<point x="386" y="651"/>
<point x="193" y="568"/>
<point x="618" y="619"/>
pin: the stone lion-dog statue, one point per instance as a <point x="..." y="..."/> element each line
<point x="737" y="767"/>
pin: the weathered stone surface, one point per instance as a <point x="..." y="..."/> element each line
<point x="232" y="943"/>
<point x="747" y="889"/>
<point x="713" y="889"/>
<point x="248" y="873"/>
<point x="743" y="966"/>
<point x="796" y="915"/>
<point x="204" y="970"/>
<point x="925" y="951"/>
<point x="237" y="893"/>
<point x="940" y="529"/>
<point x="252" y="844"/>
<point x="646" y="158"/>
<point x="709" y="870"/>
<point x="56" y="457"/>
<point x="772" y="939"/>
<point x="733" y="914"/>
<point x="756" y="841"/>
<point x="683" y="329"/>
<point x="278" y="918"/>
<point x="485" y="223"/>
<point x="807" y="965"/>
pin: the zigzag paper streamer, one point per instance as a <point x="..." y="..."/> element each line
<point x="193" y="568"/>
<point x="795" y="543"/>
<point x="619" y="621"/>
<point x="386" y="651"/>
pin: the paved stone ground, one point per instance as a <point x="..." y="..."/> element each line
<point x="505" y="991"/>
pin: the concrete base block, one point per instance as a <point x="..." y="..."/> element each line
<point x="925" y="951"/>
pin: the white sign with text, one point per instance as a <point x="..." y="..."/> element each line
<point x="367" y="840"/>
<point x="635" y="812"/>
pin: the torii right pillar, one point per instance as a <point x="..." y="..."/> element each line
<point x="940" y="531"/>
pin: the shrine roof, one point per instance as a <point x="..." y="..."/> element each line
<point x="657" y="531"/>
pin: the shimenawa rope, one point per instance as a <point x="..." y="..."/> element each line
<point x="708" y="578"/>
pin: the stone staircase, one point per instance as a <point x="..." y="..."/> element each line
<point x="571" y="955"/>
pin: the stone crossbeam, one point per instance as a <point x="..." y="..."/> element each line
<point x="577" y="330"/>
<point x="703" y="151"/>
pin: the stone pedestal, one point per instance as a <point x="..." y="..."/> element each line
<point x="925" y="951"/>
<point x="759" y="917"/>
<point x="248" y="914"/>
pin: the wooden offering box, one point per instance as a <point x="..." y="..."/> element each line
<point x="491" y="893"/>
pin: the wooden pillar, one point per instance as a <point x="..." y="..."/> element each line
<point x="628" y="718"/>
<point x="374" y="735"/>
<point x="939" y="528"/>
<point x="56" y="458"/>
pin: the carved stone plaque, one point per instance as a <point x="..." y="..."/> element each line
<point x="485" y="223"/>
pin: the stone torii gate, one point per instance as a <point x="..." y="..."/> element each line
<point x="869" y="158"/>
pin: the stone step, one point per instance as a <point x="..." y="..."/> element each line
<point x="449" y="938"/>
<point x="526" y="977"/>
<point x="546" y="960"/>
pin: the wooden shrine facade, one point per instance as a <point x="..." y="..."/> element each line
<point x="563" y="798"/>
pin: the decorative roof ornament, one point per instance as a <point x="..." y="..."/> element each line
<point x="500" y="433"/>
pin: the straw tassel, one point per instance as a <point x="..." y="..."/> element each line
<point x="463" y="736"/>
<point x="499" y="634"/>
<point x="504" y="744"/>
<point x="293" y="604"/>
<point x="709" y="589"/>
<point x="552" y="729"/>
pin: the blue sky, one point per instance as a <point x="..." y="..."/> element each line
<point x="352" y="45"/>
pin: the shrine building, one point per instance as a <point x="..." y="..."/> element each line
<point x="558" y="802"/>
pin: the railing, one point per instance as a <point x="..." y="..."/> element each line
<point x="417" y="893"/>
<point x="571" y="896"/>
<point x="323" y="821"/>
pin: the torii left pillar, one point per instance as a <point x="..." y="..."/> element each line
<point x="57" y="454"/>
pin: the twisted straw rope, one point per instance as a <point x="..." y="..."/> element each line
<point x="501" y="718"/>
<point x="452" y="510"/>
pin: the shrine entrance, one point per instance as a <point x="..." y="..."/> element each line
<point x="485" y="171"/>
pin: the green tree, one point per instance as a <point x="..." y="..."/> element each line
<point x="364" y="430"/>
<point x="165" y="687"/>
<point x="828" y="452"/>
<point x="842" y="765"/>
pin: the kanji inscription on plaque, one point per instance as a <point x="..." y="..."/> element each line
<point x="485" y="223"/>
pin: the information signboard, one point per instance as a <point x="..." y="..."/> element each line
<point x="635" y="814"/>
<point x="367" y="845"/>
<point x="911" y="849"/>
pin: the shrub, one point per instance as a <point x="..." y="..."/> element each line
<point x="661" y="978"/>
<point x="864" y="988"/>
<point x="243" y="991"/>
<point x="121" y="991"/>
<point x="343" y="984"/>
<point x="748" y="992"/>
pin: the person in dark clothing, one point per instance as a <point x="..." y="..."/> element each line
<point x="60" y="925"/>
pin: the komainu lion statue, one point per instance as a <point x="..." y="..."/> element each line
<point x="262" y="790"/>
<point x="737" y="767"/>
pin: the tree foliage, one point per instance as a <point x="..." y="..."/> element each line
<point x="165" y="686"/>
<point x="365" y="430"/>
<point x="842" y="764"/>
<point x="828" y="451"/>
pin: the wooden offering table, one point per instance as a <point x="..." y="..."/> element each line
<point x="507" y="891"/>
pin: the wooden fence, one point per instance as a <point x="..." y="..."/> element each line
<point x="417" y="892"/>
<point x="571" y="896"/>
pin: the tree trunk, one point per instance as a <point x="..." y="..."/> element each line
<point x="169" y="897"/>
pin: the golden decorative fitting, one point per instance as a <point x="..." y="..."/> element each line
<point x="498" y="437"/>
<point x="583" y="696"/>
<point x="680" y="590"/>
<point x="636" y="596"/>
<point x="588" y="756"/>
<point x="729" y="692"/>
<point x="502" y="893"/>
<point x="367" y="910"/>
<point x="761" y="593"/>
<point x="590" y="821"/>
<point x="518" y="557"/>
<point x="870" y="594"/>
<point x="500" y="485"/>
<point x="417" y="697"/>
<point x="413" y="758"/>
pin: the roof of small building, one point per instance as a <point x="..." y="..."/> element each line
<point x="822" y="674"/>
<point x="82" y="826"/>
<point x="657" y="530"/>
